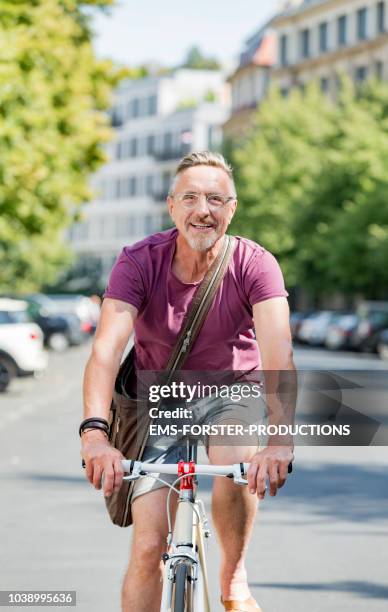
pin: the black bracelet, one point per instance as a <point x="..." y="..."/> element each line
<point x="96" y="427"/>
<point x="94" y="423"/>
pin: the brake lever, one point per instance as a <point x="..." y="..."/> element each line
<point x="238" y="474"/>
<point x="135" y="472"/>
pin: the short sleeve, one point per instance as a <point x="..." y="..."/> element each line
<point x="125" y="281"/>
<point x="263" y="278"/>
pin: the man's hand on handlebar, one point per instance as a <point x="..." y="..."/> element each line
<point x="271" y="463"/>
<point x="101" y="459"/>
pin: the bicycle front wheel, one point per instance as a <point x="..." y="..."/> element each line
<point x="183" y="588"/>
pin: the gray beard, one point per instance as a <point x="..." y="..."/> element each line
<point x="202" y="243"/>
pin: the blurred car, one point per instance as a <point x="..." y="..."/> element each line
<point x="382" y="344"/>
<point x="60" y="330"/>
<point x="21" y="342"/>
<point x="296" y="319"/>
<point x="372" y="319"/>
<point x="313" y="329"/>
<point x="86" y="310"/>
<point x="340" y="330"/>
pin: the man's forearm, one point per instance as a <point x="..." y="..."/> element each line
<point x="281" y="395"/>
<point x="99" y="378"/>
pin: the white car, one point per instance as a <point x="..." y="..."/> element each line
<point x="21" y="342"/>
<point x="313" y="329"/>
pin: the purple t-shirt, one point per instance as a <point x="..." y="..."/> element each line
<point x="142" y="276"/>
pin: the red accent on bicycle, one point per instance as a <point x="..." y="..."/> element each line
<point x="186" y="469"/>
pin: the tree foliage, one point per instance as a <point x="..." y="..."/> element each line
<point x="53" y="94"/>
<point x="312" y="179"/>
<point x="197" y="61"/>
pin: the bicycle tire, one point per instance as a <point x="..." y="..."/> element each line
<point x="183" y="592"/>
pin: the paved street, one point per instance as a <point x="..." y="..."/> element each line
<point x="320" y="545"/>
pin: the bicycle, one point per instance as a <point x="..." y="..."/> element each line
<point x="185" y="581"/>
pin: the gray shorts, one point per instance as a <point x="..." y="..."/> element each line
<point x="206" y="411"/>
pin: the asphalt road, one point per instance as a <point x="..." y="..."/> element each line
<point x="320" y="545"/>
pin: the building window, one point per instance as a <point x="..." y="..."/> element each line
<point x="323" y="37"/>
<point x="129" y="225"/>
<point x="135" y="107"/>
<point x="150" y="146"/>
<point x="325" y="83"/>
<point x="149" y="184"/>
<point x="380" y="17"/>
<point x="361" y="74"/>
<point x="152" y="106"/>
<point x="117" y="194"/>
<point x="166" y="181"/>
<point x="133" y="147"/>
<point x="119" y="150"/>
<point x="148" y="224"/>
<point x="379" y="69"/>
<point x="167" y="142"/>
<point x="342" y="30"/>
<point x="117" y="116"/>
<point x="131" y="186"/>
<point x="362" y="23"/>
<point x="305" y="43"/>
<point x="284" y="50"/>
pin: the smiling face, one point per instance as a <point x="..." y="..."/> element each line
<point x="201" y="225"/>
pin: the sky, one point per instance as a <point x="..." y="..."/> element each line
<point x="163" y="30"/>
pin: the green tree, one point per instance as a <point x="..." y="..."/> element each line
<point x="196" y="60"/>
<point x="53" y="94"/>
<point x="210" y="96"/>
<point x="312" y="179"/>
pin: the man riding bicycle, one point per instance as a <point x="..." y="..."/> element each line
<point x="150" y="290"/>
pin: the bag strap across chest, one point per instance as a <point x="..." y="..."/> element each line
<point x="200" y="306"/>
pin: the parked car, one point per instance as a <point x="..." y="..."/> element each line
<point x="60" y="330"/>
<point x="296" y="320"/>
<point x="313" y="329"/>
<point x="21" y="342"/>
<point x="340" y="331"/>
<point x="382" y="344"/>
<point x="372" y="319"/>
<point x="86" y="310"/>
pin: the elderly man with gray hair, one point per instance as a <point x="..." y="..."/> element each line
<point x="150" y="289"/>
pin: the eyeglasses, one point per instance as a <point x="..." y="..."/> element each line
<point x="214" y="200"/>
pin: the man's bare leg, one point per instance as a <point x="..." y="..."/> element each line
<point x="142" y="586"/>
<point x="234" y="510"/>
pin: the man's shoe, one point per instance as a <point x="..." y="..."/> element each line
<point x="248" y="605"/>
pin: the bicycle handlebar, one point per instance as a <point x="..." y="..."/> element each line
<point x="172" y="468"/>
<point x="139" y="468"/>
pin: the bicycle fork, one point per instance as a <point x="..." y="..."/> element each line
<point x="189" y="547"/>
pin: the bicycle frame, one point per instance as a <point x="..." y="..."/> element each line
<point x="188" y="543"/>
<point x="190" y="528"/>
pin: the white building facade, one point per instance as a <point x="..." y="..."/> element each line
<point x="157" y="120"/>
<point x="320" y="39"/>
<point x="249" y="82"/>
